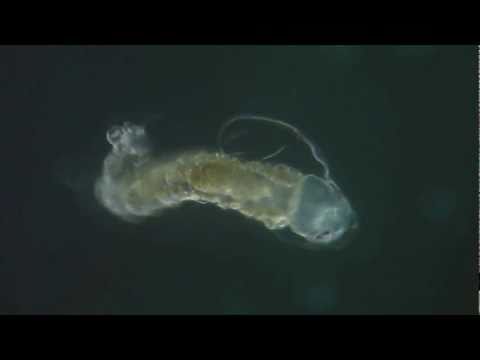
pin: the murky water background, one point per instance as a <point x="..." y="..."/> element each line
<point x="397" y="124"/>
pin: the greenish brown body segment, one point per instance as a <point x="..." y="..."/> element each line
<point x="259" y="190"/>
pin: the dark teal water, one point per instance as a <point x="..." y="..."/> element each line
<point x="397" y="124"/>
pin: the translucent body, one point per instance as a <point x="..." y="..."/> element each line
<point x="134" y="184"/>
<point x="321" y="213"/>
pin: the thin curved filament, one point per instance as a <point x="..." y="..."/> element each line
<point x="297" y="132"/>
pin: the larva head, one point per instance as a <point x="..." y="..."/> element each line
<point x="322" y="215"/>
